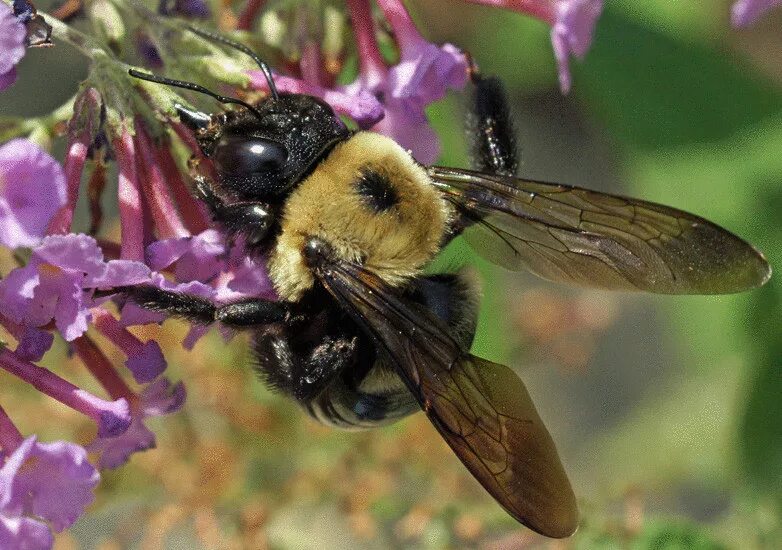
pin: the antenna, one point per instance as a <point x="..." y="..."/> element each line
<point x="194" y="87"/>
<point x="242" y="48"/>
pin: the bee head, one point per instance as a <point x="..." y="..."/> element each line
<point x="262" y="153"/>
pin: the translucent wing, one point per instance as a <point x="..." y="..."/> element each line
<point x="480" y="408"/>
<point x="573" y="235"/>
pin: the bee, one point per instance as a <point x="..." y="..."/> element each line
<point x="361" y="336"/>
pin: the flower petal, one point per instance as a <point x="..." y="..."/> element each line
<point x="115" y="451"/>
<point x="53" y="481"/>
<point x="197" y="258"/>
<point x="21" y="532"/>
<point x="746" y="12"/>
<point x="426" y="72"/>
<point x="12" y="35"/>
<point x="34" y="343"/>
<point x="160" y="397"/>
<point x="32" y="189"/>
<point x="58" y="482"/>
<point x="7" y="79"/>
<point x="148" y="363"/>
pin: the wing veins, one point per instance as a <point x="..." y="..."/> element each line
<point x="465" y="402"/>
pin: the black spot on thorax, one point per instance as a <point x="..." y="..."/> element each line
<point x="376" y="190"/>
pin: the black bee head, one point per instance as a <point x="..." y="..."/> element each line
<point x="262" y="154"/>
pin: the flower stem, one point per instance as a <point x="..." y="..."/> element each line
<point x="168" y="222"/>
<point x="64" y="32"/>
<point x="74" y="164"/>
<point x="112" y="417"/>
<point x="370" y="58"/>
<point x="193" y="211"/>
<point x="145" y="360"/>
<point x="130" y="209"/>
<point x="101" y="368"/>
<point x="398" y="16"/>
<point x="311" y="63"/>
<point x="10" y="437"/>
<point x="249" y="14"/>
<point x="545" y="11"/>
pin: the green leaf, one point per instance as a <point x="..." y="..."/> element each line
<point x="655" y="92"/>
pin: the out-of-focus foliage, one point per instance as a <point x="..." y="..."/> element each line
<point x="667" y="411"/>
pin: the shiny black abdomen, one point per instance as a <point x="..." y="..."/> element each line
<point x="322" y="359"/>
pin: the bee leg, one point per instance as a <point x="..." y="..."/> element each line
<point x="492" y="138"/>
<point x="252" y="313"/>
<point x="251" y="219"/>
<point x="204" y="190"/>
<point x="490" y="128"/>
<point x="245" y="313"/>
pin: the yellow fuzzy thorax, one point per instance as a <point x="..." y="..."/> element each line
<point x="394" y="244"/>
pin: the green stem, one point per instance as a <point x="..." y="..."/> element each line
<point x="64" y="32"/>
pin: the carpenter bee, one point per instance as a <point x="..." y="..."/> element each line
<point x="361" y="337"/>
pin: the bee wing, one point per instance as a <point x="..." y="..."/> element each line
<point x="480" y="408"/>
<point x="573" y="235"/>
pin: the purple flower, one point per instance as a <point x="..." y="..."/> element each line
<point x="111" y="417"/>
<point x="204" y="258"/>
<point x="148" y="51"/>
<point x="22" y="532"/>
<point x="145" y="359"/>
<point x="12" y="36"/>
<point x="746" y="12"/>
<point x="32" y="189"/>
<point x="52" y="481"/>
<point x="245" y="278"/>
<point x="572" y="24"/>
<point x="33" y="343"/>
<point x="195" y="258"/>
<point x="423" y="75"/>
<point x="57" y="283"/>
<point x="157" y="399"/>
<point x="398" y="95"/>
<point x="208" y="258"/>
<point x="571" y="33"/>
<point x="425" y="72"/>
<point x="192" y="8"/>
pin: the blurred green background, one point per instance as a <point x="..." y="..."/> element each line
<point x="667" y="410"/>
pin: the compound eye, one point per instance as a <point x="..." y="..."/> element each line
<point x="243" y="156"/>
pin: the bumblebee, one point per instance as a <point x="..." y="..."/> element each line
<point x="361" y="336"/>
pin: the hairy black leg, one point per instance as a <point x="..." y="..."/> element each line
<point x="492" y="137"/>
<point x="490" y="128"/>
<point x="251" y="219"/>
<point x="252" y="312"/>
<point x="245" y="313"/>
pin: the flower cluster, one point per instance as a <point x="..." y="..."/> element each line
<point x="65" y="282"/>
